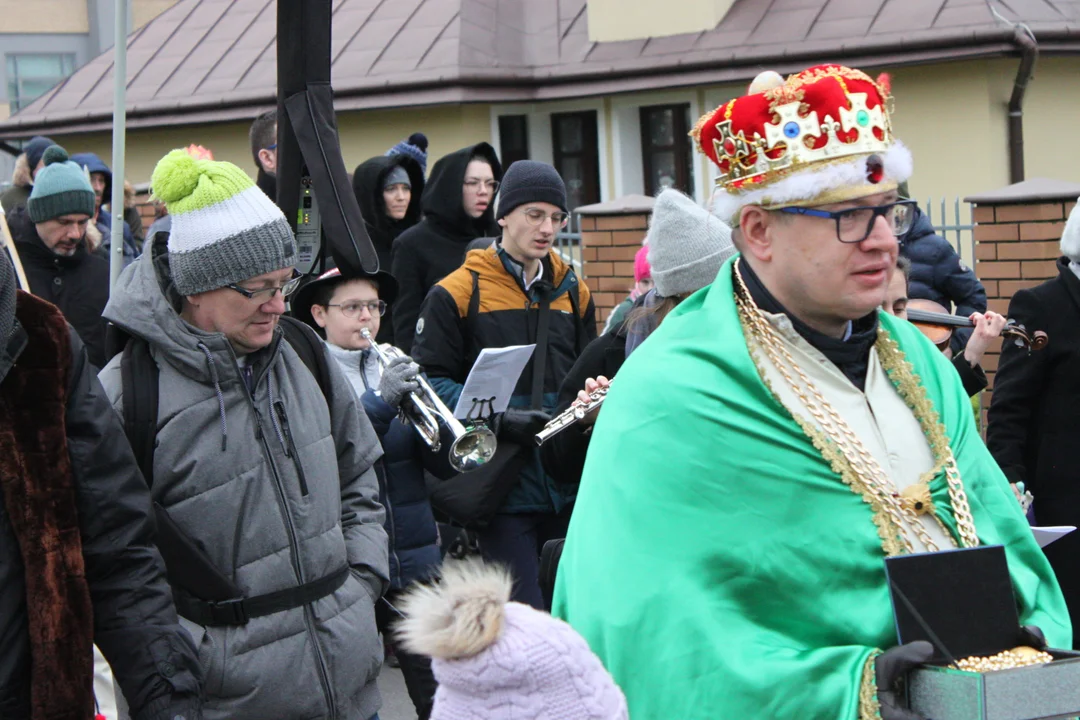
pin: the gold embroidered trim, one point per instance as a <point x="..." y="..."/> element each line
<point x="902" y="374"/>
<point x="890" y="540"/>
<point x="869" y="707"/>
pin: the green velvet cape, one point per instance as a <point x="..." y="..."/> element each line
<point x="716" y="563"/>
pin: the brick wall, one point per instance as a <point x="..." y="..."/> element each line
<point x="608" y="246"/>
<point x="1016" y="247"/>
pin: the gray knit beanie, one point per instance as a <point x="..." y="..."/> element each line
<point x="687" y="245"/>
<point x="530" y="181"/>
<point x="224" y="229"/>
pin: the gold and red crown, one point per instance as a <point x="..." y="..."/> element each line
<point x="820" y="115"/>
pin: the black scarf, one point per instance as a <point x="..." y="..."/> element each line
<point x="852" y="355"/>
<point x="7" y="298"/>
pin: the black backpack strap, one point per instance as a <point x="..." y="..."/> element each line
<point x="540" y="354"/>
<point x="139" y="378"/>
<point x="579" y="322"/>
<point x="310" y="349"/>
<point x="474" y="300"/>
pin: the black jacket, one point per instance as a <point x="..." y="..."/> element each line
<point x="135" y="623"/>
<point x="455" y="328"/>
<point x="973" y="378"/>
<point x="78" y="285"/>
<point x="425" y="254"/>
<point x="564" y="455"/>
<point x="1034" y="413"/>
<point x="367" y="186"/>
<point x="938" y="274"/>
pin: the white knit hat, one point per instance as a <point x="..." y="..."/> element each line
<point x="1070" y="239"/>
<point x="687" y="244"/>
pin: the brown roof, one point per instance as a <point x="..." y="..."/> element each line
<point x="215" y="60"/>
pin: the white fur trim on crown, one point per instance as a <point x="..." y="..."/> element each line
<point x="1070" y="239"/>
<point x="811" y="183"/>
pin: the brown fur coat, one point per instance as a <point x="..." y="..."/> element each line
<point x="39" y="495"/>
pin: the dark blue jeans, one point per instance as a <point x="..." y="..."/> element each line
<point x="515" y="541"/>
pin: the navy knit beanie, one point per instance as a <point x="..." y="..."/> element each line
<point x="35" y="150"/>
<point x="530" y="181"/>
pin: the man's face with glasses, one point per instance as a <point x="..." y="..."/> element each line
<point x="246" y="312"/>
<point x="355" y="305"/>
<point x="828" y="264"/>
<point x="529" y="230"/>
<point x="478" y="188"/>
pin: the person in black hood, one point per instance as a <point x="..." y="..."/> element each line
<point x="388" y="189"/>
<point x="458" y="207"/>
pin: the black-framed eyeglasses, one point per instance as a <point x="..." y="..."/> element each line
<point x="536" y="216"/>
<point x="264" y="295"/>
<point x="854" y="225"/>
<point x="352" y="309"/>
<point x="474" y="184"/>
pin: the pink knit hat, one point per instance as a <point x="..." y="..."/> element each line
<point x="641" y="264"/>
<point x="501" y="660"/>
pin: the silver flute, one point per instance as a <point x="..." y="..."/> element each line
<point x="571" y="415"/>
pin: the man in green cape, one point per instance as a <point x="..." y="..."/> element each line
<point x="777" y="438"/>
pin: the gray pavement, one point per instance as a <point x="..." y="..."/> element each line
<point x="396" y="702"/>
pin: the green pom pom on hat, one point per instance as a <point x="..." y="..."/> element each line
<point x="224" y="228"/>
<point x="60" y="188"/>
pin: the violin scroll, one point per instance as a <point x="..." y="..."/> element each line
<point x="1029" y="341"/>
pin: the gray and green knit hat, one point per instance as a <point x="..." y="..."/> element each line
<point x="61" y="188"/>
<point x="224" y="228"/>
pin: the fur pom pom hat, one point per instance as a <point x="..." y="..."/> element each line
<point x="501" y="660"/>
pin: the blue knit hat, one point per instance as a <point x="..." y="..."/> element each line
<point x="35" y="149"/>
<point x="415" y="147"/>
<point x="61" y="188"/>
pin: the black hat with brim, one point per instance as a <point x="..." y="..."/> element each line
<point x="302" y="301"/>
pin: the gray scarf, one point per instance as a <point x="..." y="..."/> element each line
<point x="7" y="298"/>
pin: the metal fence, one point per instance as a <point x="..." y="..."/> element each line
<point x="952" y="220"/>
<point x="568" y="243"/>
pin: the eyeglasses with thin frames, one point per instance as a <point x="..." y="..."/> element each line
<point x="536" y="216"/>
<point x="352" y="309"/>
<point x="474" y="185"/>
<point x="265" y="295"/>
<point x="854" y="225"/>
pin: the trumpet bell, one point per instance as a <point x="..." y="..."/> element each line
<point x="473" y="449"/>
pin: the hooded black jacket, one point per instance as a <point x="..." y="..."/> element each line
<point x="368" y="187"/>
<point x="426" y="253"/>
<point x="78" y="285"/>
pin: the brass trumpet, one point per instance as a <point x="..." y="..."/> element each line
<point x="423" y="410"/>
<point x="571" y="415"/>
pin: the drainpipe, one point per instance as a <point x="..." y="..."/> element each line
<point x="1029" y="52"/>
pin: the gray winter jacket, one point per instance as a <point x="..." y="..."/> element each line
<point x="267" y="519"/>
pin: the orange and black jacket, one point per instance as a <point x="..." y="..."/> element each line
<point x="483" y="304"/>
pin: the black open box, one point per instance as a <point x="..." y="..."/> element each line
<point x="962" y="601"/>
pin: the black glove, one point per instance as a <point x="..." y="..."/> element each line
<point x="1032" y="636"/>
<point x="889" y="667"/>
<point x="519" y="425"/>
<point x="398" y="380"/>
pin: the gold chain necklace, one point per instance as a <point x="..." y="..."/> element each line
<point x="899" y="515"/>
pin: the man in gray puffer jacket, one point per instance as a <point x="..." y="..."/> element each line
<point x="272" y="480"/>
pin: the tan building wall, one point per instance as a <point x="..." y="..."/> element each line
<point x="363" y="135"/>
<point x="612" y="20"/>
<point x="143" y="11"/>
<point x="44" y="16"/>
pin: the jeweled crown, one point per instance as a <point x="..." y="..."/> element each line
<point x="819" y="115"/>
